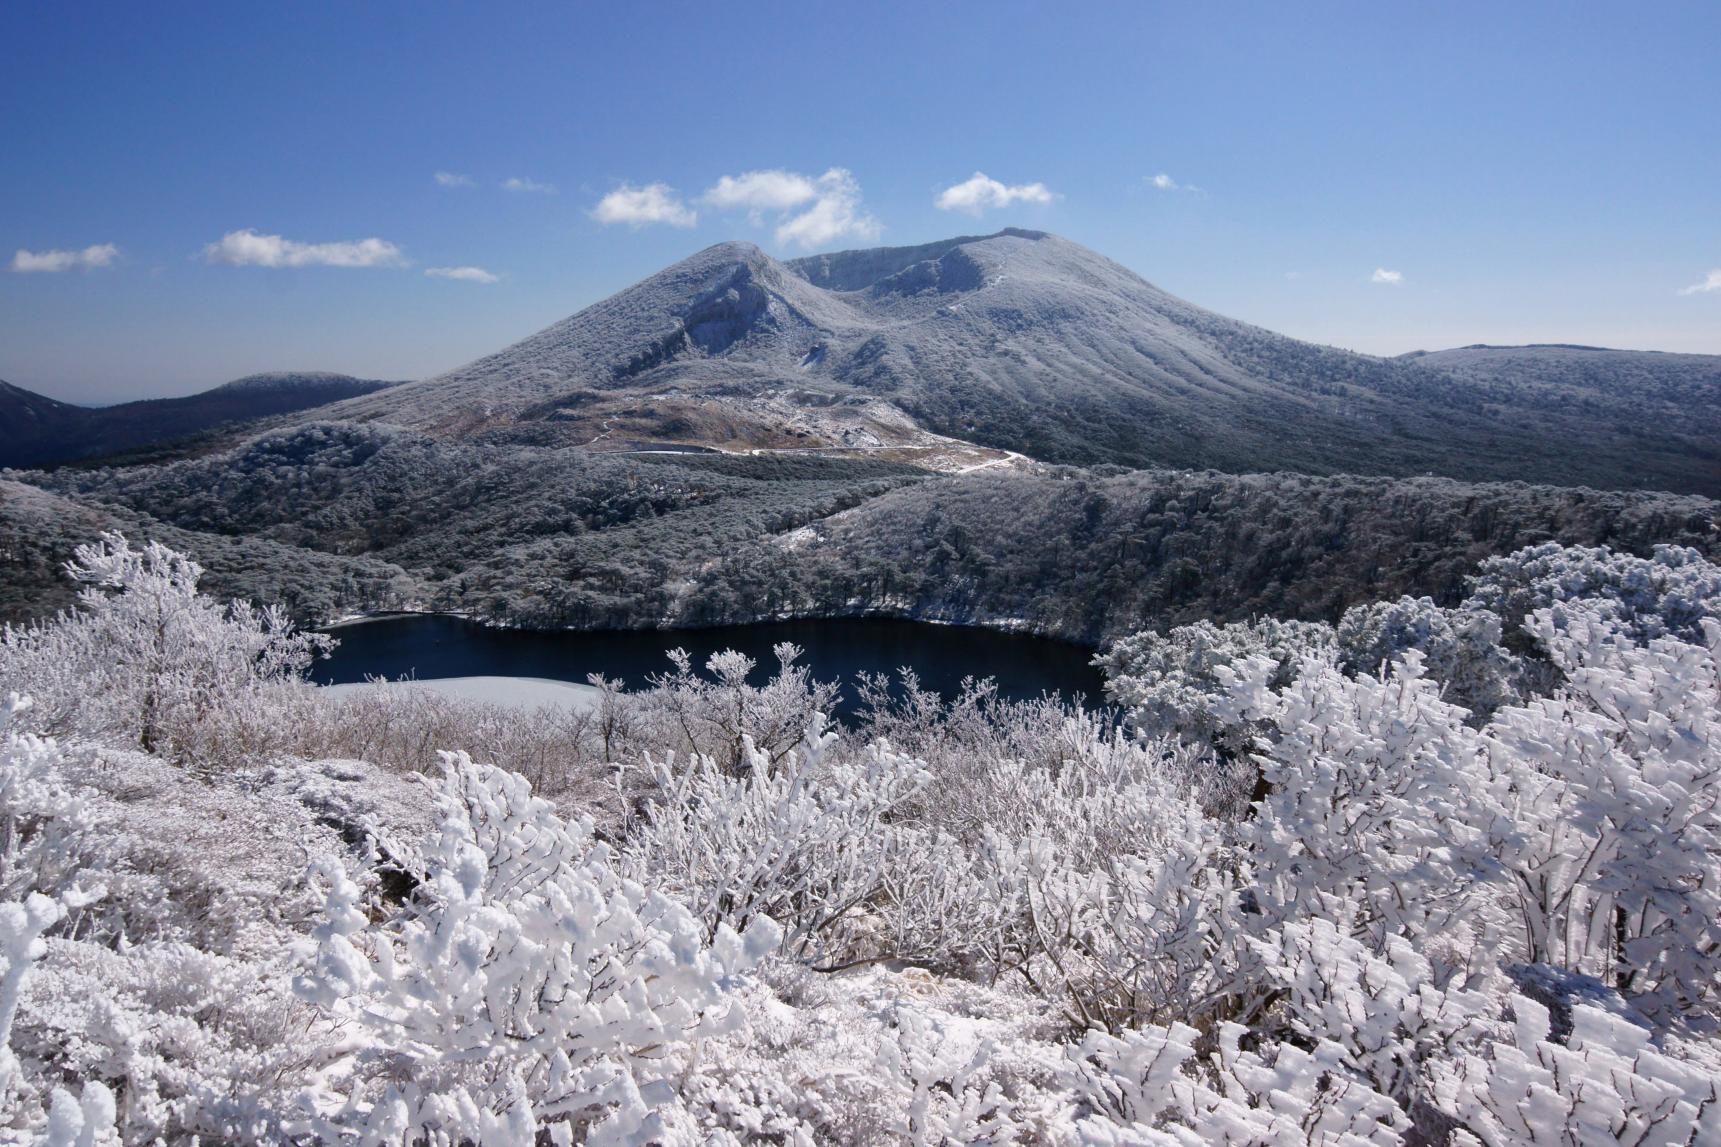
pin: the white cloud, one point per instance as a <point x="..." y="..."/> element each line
<point x="248" y="249"/>
<point x="451" y="179"/>
<point x="641" y="206"/>
<point x="518" y="184"/>
<point x="757" y="191"/>
<point x="1711" y="282"/>
<point x="100" y="255"/>
<point x="980" y="192"/>
<point x="835" y="214"/>
<point x="1390" y="278"/>
<point x="464" y="274"/>
<point x="810" y="212"/>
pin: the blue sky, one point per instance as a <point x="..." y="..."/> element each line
<point x="191" y="193"/>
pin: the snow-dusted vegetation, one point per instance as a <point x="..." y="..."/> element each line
<point x="1430" y="875"/>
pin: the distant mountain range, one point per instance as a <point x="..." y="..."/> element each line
<point x="39" y="431"/>
<point x="1018" y="341"/>
<point x="1027" y="342"/>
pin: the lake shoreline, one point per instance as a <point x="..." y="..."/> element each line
<point x="429" y="646"/>
<point x="1012" y="626"/>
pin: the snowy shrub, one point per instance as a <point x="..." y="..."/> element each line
<point x="1154" y="1088"/>
<point x="1609" y="1081"/>
<point x="710" y="716"/>
<point x="88" y="1119"/>
<point x="805" y="840"/>
<point x="42" y="822"/>
<point x="402" y="726"/>
<point x="84" y="1121"/>
<point x="148" y="661"/>
<point x="21" y="926"/>
<point x="1378" y="812"/>
<point x="1393" y="1013"/>
<point x="190" y="1043"/>
<point x="527" y="986"/>
<point x="1614" y="789"/>
<point x="950" y="1098"/>
<point x="1114" y="900"/>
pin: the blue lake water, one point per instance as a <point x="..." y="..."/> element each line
<point x="431" y="646"/>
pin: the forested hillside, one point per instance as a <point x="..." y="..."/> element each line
<point x="547" y="537"/>
<point x="435" y="520"/>
<point x="39" y="532"/>
<point x="1091" y="555"/>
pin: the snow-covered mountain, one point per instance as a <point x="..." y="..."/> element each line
<point x="1023" y="341"/>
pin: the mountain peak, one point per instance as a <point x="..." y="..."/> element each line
<point x="865" y="267"/>
<point x="736" y="250"/>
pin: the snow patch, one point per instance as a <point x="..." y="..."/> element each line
<point x="514" y="692"/>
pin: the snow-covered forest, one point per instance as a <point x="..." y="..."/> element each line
<point x="1431" y="875"/>
<point x="333" y="518"/>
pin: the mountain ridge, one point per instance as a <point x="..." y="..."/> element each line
<point x="1017" y="341"/>
<point x="39" y="431"/>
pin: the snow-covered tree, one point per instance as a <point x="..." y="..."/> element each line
<point x="1460" y="648"/>
<point x="1171" y="682"/>
<point x="1667" y="594"/>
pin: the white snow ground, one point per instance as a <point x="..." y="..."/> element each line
<point x="519" y="692"/>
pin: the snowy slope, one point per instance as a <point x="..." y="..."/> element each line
<point x="1019" y="340"/>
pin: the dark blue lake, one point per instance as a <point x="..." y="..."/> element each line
<point x="429" y="646"/>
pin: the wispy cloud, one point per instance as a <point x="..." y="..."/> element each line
<point x="811" y="212"/>
<point x="100" y="255"/>
<point x="453" y="179"/>
<point x="1711" y="282"/>
<point x="1164" y="182"/>
<point x="1390" y="278"/>
<point x="249" y="249"/>
<point x="980" y="192"/>
<point x="464" y="274"/>
<point x="531" y="185"/>
<point x="643" y="206"/>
